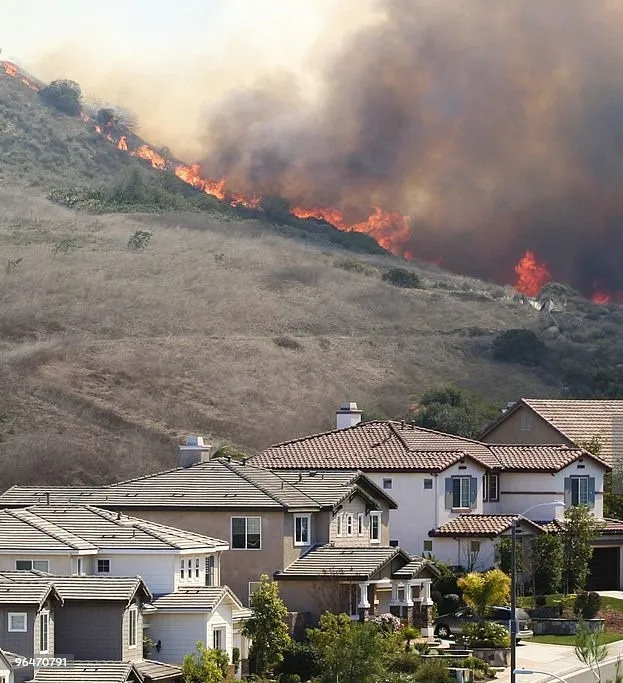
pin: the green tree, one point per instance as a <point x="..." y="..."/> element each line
<point x="350" y="652"/>
<point x="519" y="346"/>
<point x="401" y="277"/>
<point x="482" y="590"/>
<point x="204" y="666"/>
<point x="267" y="627"/>
<point x="63" y="95"/>
<point x="454" y="411"/>
<point x="548" y="562"/>
<point x="613" y="481"/>
<point x="580" y="527"/>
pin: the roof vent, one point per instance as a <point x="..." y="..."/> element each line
<point x="347" y="415"/>
<point x="194" y="451"/>
<point x="393" y="544"/>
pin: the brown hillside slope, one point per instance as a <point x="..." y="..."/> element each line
<point x="217" y="328"/>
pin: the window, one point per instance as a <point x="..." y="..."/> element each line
<point x="428" y="483"/>
<point x="103" y="567"/>
<point x="218" y="639"/>
<point x="197" y="564"/>
<point x="132" y="626"/>
<point x="474" y="547"/>
<point x="525" y="422"/>
<point x="579" y="490"/>
<point x="79" y="566"/>
<point x="387" y="483"/>
<point x="338" y="525"/>
<point x="349" y="525"/>
<point x="460" y="492"/>
<point x="375" y="527"/>
<point x="210" y="571"/>
<point x="246" y="533"/>
<point x="360" y="524"/>
<point x="428" y="546"/>
<point x="302" y="524"/>
<point x="27" y="565"/>
<point x="491" y="489"/>
<point x="254" y="586"/>
<point x="182" y="570"/>
<point x="17" y="622"/>
<point x="44" y="627"/>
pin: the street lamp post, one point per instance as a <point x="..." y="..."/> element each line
<point x="543" y="673"/>
<point x="513" y="629"/>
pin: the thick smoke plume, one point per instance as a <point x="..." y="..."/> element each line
<point x="496" y="126"/>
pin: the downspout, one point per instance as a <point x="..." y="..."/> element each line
<point x="436" y="480"/>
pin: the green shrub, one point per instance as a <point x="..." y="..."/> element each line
<point x="353" y="265"/>
<point x="289" y="678"/>
<point x="404" y="662"/>
<point x="302" y="659"/>
<point x="519" y="346"/>
<point x="63" y="95"/>
<point x="587" y="605"/>
<point x="433" y="671"/>
<point x="287" y="343"/>
<point x="540" y="601"/>
<point x="139" y="240"/>
<point x="486" y="634"/>
<point x="401" y="277"/>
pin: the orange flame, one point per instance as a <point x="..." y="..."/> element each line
<point x="601" y="297"/>
<point x="531" y="276"/>
<point x="98" y="129"/>
<point x="332" y="216"/>
<point x="145" y="152"/>
<point x="9" y="69"/>
<point x="122" y="144"/>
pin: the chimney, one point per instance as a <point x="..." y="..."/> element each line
<point x="348" y="415"/>
<point x="194" y="451"/>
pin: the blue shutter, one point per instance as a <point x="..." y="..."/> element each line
<point x="449" y="493"/>
<point x="591" y="492"/>
<point x="473" y="493"/>
<point x="567" y="491"/>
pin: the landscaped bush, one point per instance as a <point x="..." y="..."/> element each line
<point x="405" y="663"/>
<point x="387" y="622"/>
<point x="401" y="277"/>
<point x="540" y="601"/>
<point x="519" y="346"/>
<point x="433" y="671"/>
<point x="486" y="634"/>
<point x="587" y="605"/>
<point x="302" y="659"/>
<point x="449" y="603"/>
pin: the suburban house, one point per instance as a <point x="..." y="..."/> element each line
<point x="457" y="496"/>
<point x="89" y="672"/>
<point x="561" y="421"/>
<point x="8" y="664"/>
<point x="80" y="545"/>
<point x="302" y="528"/>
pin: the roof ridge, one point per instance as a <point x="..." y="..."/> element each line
<point x="154" y="474"/>
<point x="258" y="486"/>
<point x="21" y="513"/>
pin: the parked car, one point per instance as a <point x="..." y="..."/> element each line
<point x="453" y="623"/>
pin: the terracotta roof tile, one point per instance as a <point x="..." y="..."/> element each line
<point x="479" y="525"/>
<point x="542" y="457"/>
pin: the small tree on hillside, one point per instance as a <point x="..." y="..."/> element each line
<point x="204" y="666"/>
<point x="64" y="95"/>
<point x="267" y="627"/>
<point x="580" y="527"/>
<point x="483" y="590"/>
<point x="105" y="117"/>
<point x="519" y="346"/>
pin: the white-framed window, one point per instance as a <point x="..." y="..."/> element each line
<point x="360" y="524"/>
<point x="18" y="622"/>
<point x="132" y="626"/>
<point x="103" y="566"/>
<point x="44" y="631"/>
<point x="387" y="483"/>
<point x="428" y="546"/>
<point x="182" y="570"/>
<point x="579" y="490"/>
<point x="428" y="484"/>
<point x="210" y="571"/>
<point x="474" y="546"/>
<point x="339" y="521"/>
<point x="349" y="525"/>
<point x="525" y="422"/>
<point x="302" y="529"/>
<point x="246" y="533"/>
<point x="461" y="492"/>
<point x="491" y="488"/>
<point x="218" y="639"/>
<point x="375" y="527"/>
<point x="28" y="565"/>
<point x="254" y="586"/>
<point x="197" y="567"/>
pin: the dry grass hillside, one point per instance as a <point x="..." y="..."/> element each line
<point x="219" y="327"/>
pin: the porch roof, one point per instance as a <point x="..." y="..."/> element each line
<point x="487" y="526"/>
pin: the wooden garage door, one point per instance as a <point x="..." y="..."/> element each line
<point x="604" y="570"/>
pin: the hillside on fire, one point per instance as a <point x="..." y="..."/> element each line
<point x="126" y="324"/>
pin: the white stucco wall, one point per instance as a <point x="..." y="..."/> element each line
<point x="457" y="552"/>
<point x="57" y="564"/>
<point x="221" y="618"/>
<point x="179" y="634"/>
<point x="157" y="571"/>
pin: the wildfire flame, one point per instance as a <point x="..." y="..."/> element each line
<point x="122" y="144"/>
<point x="600" y="297"/>
<point x="9" y="69"/>
<point x="531" y="276"/>
<point x="145" y="152"/>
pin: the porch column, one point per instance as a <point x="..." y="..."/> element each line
<point x="426" y="607"/>
<point x="395" y="606"/>
<point x="363" y="607"/>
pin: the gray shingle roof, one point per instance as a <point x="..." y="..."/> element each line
<point x="88" y="672"/>
<point x="200" y="597"/>
<point x="84" y="527"/>
<point x="35" y="591"/>
<point x="327" y="562"/>
<point x="157" y="671"/>
<point x="414" y="568"/>
<point x="100" y="588"/>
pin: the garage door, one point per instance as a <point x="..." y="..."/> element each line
<point x="604" y="570"/>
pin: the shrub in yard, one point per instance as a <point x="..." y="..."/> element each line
<point x="404" y="663"/>
<point x="587" y="605"/>
<point x="401" y="277"/>
<point x="540" y="601"/>
<point x="433" y="672"/>
<point x="486" y="634"/>
<point x="302" y="659"/>
<point x="387" y="622"/>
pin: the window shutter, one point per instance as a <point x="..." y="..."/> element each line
<point x="591" y="492"/>
<point x="449" y="492"/>
<point x="567" y="491"/>
<point x="473" y="493"/>
<point x="485" y="491"/>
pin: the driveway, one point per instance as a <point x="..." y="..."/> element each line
<point x="612" y="594"/>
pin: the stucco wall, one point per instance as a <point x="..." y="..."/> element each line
<point x="178" y="633"/>
<point x="509" y="430"/>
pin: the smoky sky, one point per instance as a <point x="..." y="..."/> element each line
<point x="496" y="126"/>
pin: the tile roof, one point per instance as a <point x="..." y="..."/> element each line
<point x="548" y="458"/>
<point x="116" y="588"/>
<point x="327" y="562"/>
<point x="377" y="445"/>
<point x="157" y="671"/>
<point x="199" y="597"/>
<point x="88" y="672"/>
<point x="83" y="527"/>
<point x="415" y="566"/>
<point x="607" y="526"/>
<point x="33" y="592"/>
<point x="480" y="525"/>
<point x="576" y="420"/>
